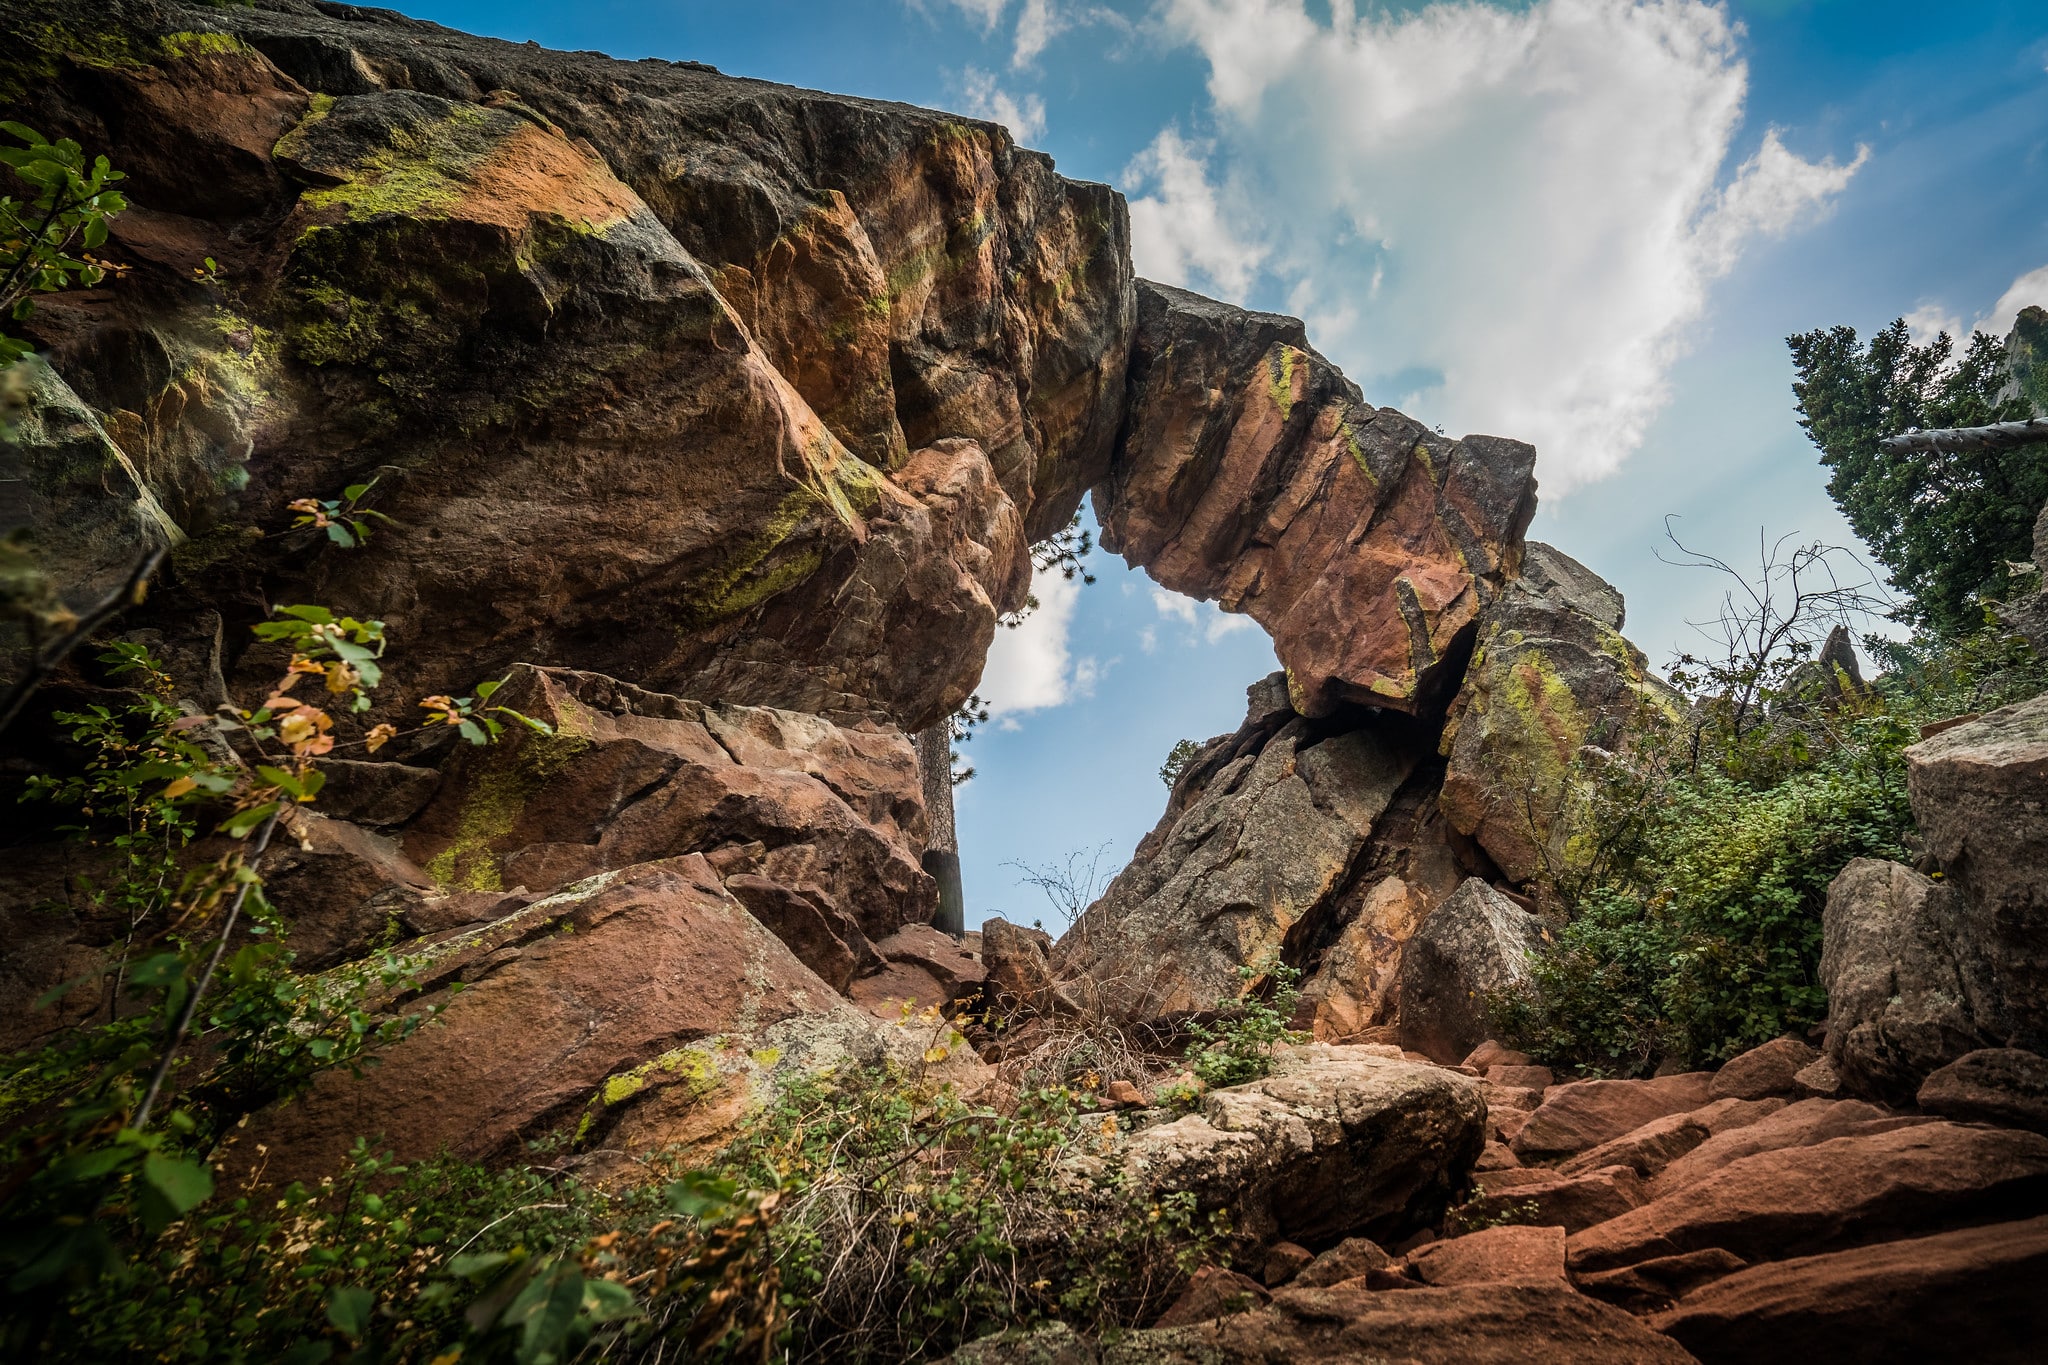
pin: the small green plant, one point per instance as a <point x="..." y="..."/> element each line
<point x="345" y="520"/>
<point x="1238" y="1046"/>
<point x="1177" y="759"/>
<point x="50" y="227"/>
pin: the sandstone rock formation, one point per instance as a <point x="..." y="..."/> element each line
<point x="1475" y="944"/>
<point x="1551" y="674"/>
<point x="1253" y="473"/>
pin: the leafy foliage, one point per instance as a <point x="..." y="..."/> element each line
<point x="1238" y="1046"/>
<point x="1945" y="524"/>
<point x="1177" y="759"/>
<point x="1700" y="864"/>
<point x="50" y="227"/>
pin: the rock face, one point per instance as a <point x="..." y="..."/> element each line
<point x="1259" y="834"/>
<point x="1476" y="943"/>
<point x="893" y="343"/>
<point x="1908" y="990"/>
<point x="1980" y="797"/>
<point x="1249" y="465"/>
<point x="816" y="828"/>
<point x="1337" y="1142"/>
<point x="1550" y="675"/>
<point x="1997" y="1085"/>
<point x="641" y="1006"/>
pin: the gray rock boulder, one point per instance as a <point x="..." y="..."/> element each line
<point x="1338" y="1142"/>
<point x="1908" y="987"/>
<point x="1475" y="944"/>
<point x="1980" y="796"/>
<point x="1259" y="834"/>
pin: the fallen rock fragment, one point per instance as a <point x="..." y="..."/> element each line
<point x="1347" y="1260"/>
<point x="1213" y="1292"/>
<point x="1573" y="1202"/>
<point x="1475" y="945"/>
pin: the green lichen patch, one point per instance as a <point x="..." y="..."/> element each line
<point x="1280" y="379"/>
<point x="500" y="789"/>
<point x="187" y="45"/>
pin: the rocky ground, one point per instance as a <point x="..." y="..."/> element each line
<point x="719" y="419"/>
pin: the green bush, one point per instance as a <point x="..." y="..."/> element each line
<point x="1238" y="1046"/>
<point x="1695" y="889"/>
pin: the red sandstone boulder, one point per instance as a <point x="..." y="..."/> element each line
<point x="1584" y="1114"/>
<point x="1971" y="1295"/>
<point x="1648" y="1286"/>
<point x="642" y="1007"/>
<point x="1503" y="1255"/>
<point x="1573" y="1202"/>
<point x="1761" y="1072"/>
<point x="1214" y="1292"/>
<point x="819" y="829"/>
<point x="1996" y="1085"/>
<point x="1349" y="1259"/>
<point x="1650" y="1148"/>
<point x="1842" y="1193"/>
<point x="1795" y="1125"/>
<point x="921" y="967"/>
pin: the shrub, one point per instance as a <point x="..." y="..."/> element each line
<point x="1695" y="886"/>
<point x="1238" y="1046"/>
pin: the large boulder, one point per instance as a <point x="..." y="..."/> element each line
<point x="642" y="1006"/>
<point x="1584" y="1114"/>
<point x="1252" y="473"/>
<point x="1997" y="1085"/>
<point x="1974" y="1295"/>
<point x="1842" y="1193"/>
<point x="518" y="281"/>
<point x="1255" y="839"/>
<point x="1473" y="947"/>
<point x="1339" y="1141"/>
<point x="1909" y="987"/>
<point x="1980" y="798"/>
<point x="818" y="829"/>
<point x="1550" y="675"/>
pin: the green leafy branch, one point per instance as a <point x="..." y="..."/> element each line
<point x="65" y="211"/>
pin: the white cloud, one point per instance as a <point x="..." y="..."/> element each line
<point x="1928" y="320"/>
<point x="1037" y="24"/>
<point x="1204" y="620"/>
<point x="1179" y="234"/>
<point x="1507" y="219"/>
<point x="1025" y="118"/>
<point x="1031" y="668"/>
<point x="2030" y="289"/>
<point x="987" y="13"/>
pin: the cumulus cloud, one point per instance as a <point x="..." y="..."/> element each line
<point x="1024" y="116"/>
<point x="1038" y="23"/>
<point x="987" y="13"/>
<point x="1180" y="233"/>
<point x="1032" y="667"/>
<point x="1505" y="219"/>
<point x="2029" y="290"/>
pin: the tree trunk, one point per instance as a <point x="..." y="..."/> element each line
<point x="2000" y="436"/>
<point x="942" y="855"/>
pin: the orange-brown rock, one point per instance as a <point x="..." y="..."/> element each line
<point x="1649" y="1149"/>
<point x="646" y="1005"/>
<point x="818" y="829"/>
<point x="1761" y="1072"/>
<point x="1573" y="1202"/>
<point x="1845" y="1192"/>
<point x="1214" y="1292"/>
<point x="1502" y="1255"/>
<point x="1252" y="473"/>
<point x="1584" y="1114"/>
<point x="1974" y="1295"/>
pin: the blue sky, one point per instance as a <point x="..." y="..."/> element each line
<point x="1587" y="223"/>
